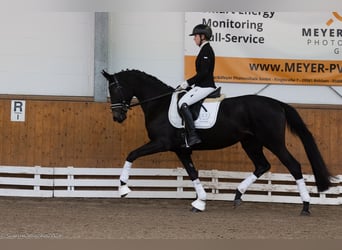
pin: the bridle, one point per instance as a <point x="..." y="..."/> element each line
<point x="123" y="105"/>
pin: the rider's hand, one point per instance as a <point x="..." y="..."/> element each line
<point x="184" y="85"/>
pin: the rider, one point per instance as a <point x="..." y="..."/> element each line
<point x="203" y="81"/>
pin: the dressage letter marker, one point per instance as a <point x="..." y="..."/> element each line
<point x="18" y="111"/>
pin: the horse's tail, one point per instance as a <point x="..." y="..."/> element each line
<point x="298" y="127"/>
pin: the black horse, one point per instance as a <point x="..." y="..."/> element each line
<point x="254" y="121"/>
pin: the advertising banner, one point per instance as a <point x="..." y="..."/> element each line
<point x="271" y="47"/>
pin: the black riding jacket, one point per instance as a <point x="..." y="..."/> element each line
<point x="205" y="64"/>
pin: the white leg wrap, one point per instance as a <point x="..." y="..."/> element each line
<point x="125" y="172"/>
<point x="199" y="204"/>
<point x="246" y="183"/>
<point x="304" y="194"/>
<point x="124" y="190"/>
<point x="201" y="194"/>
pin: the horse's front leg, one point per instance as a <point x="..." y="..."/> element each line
<point x="150" y="148"/>
<point x="185" y="157"/>
<point x="123" y="187"/>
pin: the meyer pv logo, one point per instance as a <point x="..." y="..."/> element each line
<point x="331" y="20"/>
<point x="329" y="35"/>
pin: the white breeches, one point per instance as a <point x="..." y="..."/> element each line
<point x="194" y="95"/>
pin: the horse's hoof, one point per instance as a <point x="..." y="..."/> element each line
<point x="305" y="213"/>
<point x="195" y="210"/>
<point x="237" y="203"/>
<point x="124" y="190"/>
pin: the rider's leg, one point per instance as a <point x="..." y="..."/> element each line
<point x="192" y="137"/>
<point x="191" y="97"/>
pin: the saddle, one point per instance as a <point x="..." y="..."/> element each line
<point x="196" y="107"/>
<point x="204" y="112"/>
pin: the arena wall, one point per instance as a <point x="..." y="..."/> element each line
<point x="81" y="133"/>
<point x="52" y="70"/>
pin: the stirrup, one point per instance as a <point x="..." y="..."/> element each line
<point x="194" y="141"/>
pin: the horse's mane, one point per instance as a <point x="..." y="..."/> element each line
<point x="146" y="77"/>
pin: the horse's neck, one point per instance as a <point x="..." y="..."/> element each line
<point x="146" y="90"/>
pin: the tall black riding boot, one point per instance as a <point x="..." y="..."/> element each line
<point x="192" y="137"/>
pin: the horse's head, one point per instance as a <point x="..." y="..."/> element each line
<point x="119" y="98"/>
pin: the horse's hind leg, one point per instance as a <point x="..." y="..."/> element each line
<point x="295" y="169"/>
<point x="185" y="157"/>
<point x="254" y="151"/>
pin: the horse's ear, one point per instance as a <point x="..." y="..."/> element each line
<point x="106" y="75"/>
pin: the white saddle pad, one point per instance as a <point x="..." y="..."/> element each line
<point x="206" y="118"/>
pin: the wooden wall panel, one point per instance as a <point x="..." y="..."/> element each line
<point x="82" y="134"/>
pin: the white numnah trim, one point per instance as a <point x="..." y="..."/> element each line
<point x="206" y="119"/>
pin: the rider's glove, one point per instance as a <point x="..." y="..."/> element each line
<point x="184" y="85"/>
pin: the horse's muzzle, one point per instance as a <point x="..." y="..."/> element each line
<point x="119" y="117"/>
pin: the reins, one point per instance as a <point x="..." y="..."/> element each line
<point x="152" y="99"/>
<point x="128" y="106"/>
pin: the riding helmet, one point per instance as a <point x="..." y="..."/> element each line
<point x="202" y="29"/>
